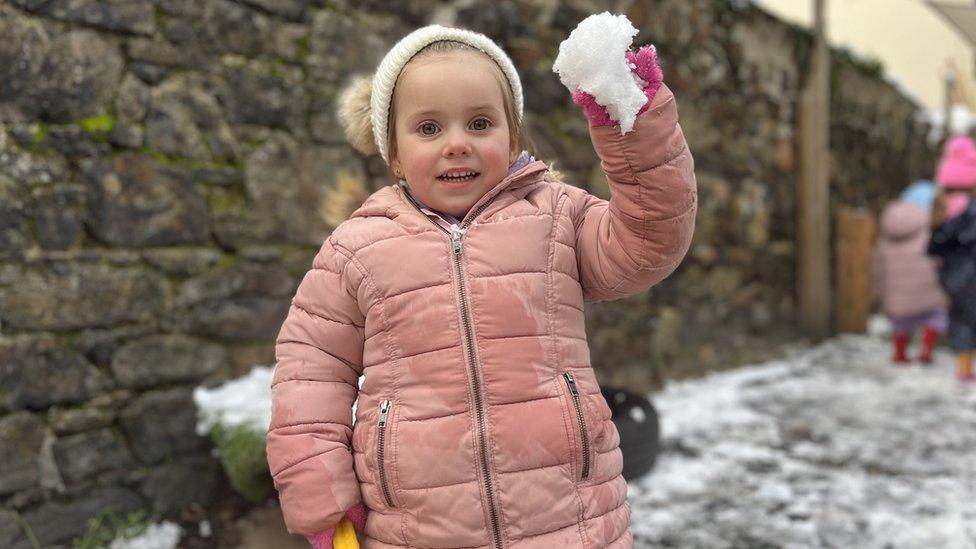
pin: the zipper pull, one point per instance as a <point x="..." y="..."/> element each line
<point x="456" y="233"/>
<point x="384" y="411"/>
<point x="572" y="383"/>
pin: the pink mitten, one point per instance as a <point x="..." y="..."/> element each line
<point x="645" y="66"/>
<point x="323" y="540"/>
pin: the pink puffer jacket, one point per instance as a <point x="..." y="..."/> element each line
<point x="479" y="422"/>
<point x="904" y="277"/>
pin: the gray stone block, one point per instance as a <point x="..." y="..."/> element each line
<point x="23" y="437"/>
<point x="36" y="373"/>
<point x="162" y="424"/>
<point x="63" y="295"/>
<point x="136" y="16"/>
<point x="160" y="360"/>
<point x="135" y="202"/>
<point x="85" y="455"/>
<point x="57" y="522"/>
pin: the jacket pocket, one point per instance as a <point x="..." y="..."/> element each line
<point x="581" y="421"/>
<point x="382" y="440"/>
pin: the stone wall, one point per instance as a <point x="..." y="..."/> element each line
<point x="166" y="172"/>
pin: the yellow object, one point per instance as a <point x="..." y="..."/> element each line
<point x="964" y="363"/>
<point x="345" y="535"/>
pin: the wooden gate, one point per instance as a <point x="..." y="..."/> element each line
<point x="856" y="229"/>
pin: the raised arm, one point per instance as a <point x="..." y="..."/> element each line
<point x="638" y="237"/>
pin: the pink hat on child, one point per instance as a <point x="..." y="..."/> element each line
<point x="957" y="169"/>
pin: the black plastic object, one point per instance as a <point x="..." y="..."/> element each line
<point x="640" y="433"/>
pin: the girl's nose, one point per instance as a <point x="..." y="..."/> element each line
<point x="457" y="144"/>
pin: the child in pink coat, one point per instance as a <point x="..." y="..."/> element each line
<point x="906" y="278"/>
<point x="458" y="293"/>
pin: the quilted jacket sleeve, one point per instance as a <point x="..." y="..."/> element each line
<point x="638" y="237"/>
<point x="319" y="360"/>
<point x="955" y="235"/>
<point x="877" y="271"/>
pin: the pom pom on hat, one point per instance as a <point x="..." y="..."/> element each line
<point x="957" y="169"/>
<point x="354" y="114"/>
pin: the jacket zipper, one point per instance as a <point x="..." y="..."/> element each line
<point x="381" y="424"/>
<point x="456" y="232"/>
<point x="571" y="382"/>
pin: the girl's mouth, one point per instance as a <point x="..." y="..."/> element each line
<point x="458" y="177"/>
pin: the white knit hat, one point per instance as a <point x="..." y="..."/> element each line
<point x="400" y="54"/>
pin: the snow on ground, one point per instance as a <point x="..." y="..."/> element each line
<point x="242" y="401"/>
<point x="832" y="447"/>
<point x="156" y="536"/>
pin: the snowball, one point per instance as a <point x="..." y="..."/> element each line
<point x="592" y="59"/>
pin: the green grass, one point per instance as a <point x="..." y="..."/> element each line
<point x="107" y="526"/>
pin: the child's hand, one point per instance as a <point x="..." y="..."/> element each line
<point x="343" y="535"/>
<point x="644" y="64"/>
<point x="610" y="82"/>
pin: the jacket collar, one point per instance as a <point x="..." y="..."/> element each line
<point x="392" y="201"/>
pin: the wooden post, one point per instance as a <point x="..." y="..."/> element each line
<point x="813" y="192"/>
<point x="854" y="247"/>
<point x="950" y="84"/>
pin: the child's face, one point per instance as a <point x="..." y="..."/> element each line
<point x="450" y="117"/>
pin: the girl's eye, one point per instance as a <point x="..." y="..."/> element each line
<point x="481" y="124"/>
<point x="428" y="128"/>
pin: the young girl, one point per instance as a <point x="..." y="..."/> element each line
<point x="458" y="293"/>
<point x="954" y="240"/>
<point x="905" y="277"/>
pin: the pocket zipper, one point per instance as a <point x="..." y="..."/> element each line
<point x="571" y="382"/>
<point x="381" y="424"/>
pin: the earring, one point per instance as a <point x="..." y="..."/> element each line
<point x="397" y="173"/>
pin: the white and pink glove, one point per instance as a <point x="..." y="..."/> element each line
<point x="645" y="66"/>
<point x="610" y="82"/>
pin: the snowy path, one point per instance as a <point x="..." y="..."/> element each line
<point x="832" y="447"/>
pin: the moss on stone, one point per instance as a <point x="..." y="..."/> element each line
<point x="228" y="260"/>
<point x="99" y="124"/>
<point x="870" y="66"/>
<point x="224" y="201"/>
<point x="302" y="49"/>
<point x="242" y="454"/>
<point x="187" y="163"/>
<point x="40" y="131"/>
